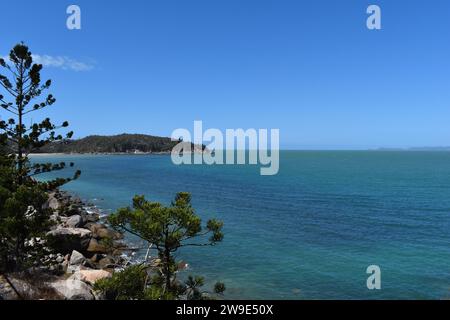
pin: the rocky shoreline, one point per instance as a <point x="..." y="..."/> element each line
<point x="86" y="250"/>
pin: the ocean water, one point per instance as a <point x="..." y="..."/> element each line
<point x="309" y="232"/>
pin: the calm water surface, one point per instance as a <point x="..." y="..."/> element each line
<point x="309" y="232"/>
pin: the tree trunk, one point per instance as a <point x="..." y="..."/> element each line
<point x="20" y="116"/>
<point x="168" y="273"/>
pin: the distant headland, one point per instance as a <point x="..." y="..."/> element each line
<point x="117" y="144"/>
<point x="415" y="149"/>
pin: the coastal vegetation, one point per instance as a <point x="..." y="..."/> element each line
<point x="123" y="143"/>
<point x="166" y="230"/>
<point x="23" y="216"/>
<point x="53" y="245"/>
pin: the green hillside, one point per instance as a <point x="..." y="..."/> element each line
<point x="124" y="143"/>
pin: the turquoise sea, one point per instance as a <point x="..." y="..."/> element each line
<point x="309" y="232"/>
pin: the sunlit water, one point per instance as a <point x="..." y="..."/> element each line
<point x="309" y="232"/>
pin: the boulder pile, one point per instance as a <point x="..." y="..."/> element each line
<point x="85" y="249"/>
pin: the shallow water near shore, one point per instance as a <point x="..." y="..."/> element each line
<point x="309" y="232"/>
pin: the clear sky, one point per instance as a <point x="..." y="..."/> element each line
<point x="310" y="68"/>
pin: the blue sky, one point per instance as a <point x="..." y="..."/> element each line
<point x="310" y="68"/>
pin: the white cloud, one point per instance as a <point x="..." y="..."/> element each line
<point x="61" y="62"/>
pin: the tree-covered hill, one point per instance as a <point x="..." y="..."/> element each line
<point x="124" y="143"/>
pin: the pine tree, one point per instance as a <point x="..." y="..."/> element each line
<point x="24" y="91"/>
<point x="167" y="229"/>
<point x="23" y="215"/>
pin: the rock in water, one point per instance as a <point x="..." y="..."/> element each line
<point x="73" y="289"/>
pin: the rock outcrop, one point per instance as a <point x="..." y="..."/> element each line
<point x="65" y="240"/>
<point x="90" y="276"/>
<point x="73" y="289"/>
<point x="82" y="257"/>
<point x="7" y="292"/>
<point x="74" y="221"/>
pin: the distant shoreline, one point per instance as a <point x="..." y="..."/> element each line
<point x="46" y="154"/>
<point x="108" y="153"/>
<point x="98" y="154"/>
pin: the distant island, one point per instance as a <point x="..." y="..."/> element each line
<point x="123" y="143"/>
<point x="415" y="149"/>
